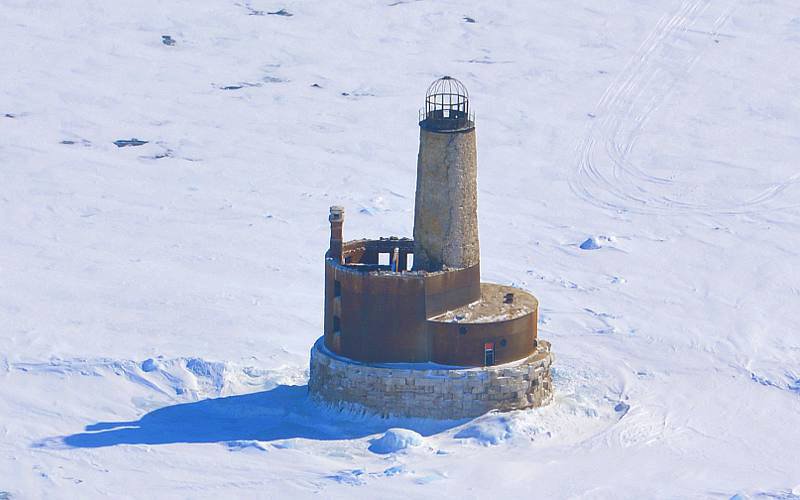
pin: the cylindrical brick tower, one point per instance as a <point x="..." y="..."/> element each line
<point x="446" y="211"/>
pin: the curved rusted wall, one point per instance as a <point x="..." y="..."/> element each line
<point x="448" y="290"/>
<point x="462" y="344"/>
<point x="381" y="317"/>
<point x="374" y="315"/>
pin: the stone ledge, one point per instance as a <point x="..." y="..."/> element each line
<point x="441" y="393"/>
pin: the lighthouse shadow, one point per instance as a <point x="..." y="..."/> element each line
<point x="284" y="412"/>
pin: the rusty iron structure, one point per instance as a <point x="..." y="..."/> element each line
<point x="380" y="309"/>
<point x="446" y="106"/>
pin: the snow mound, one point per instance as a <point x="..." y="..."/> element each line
<point x="487" y="433"/>
<point x="396" y="440"/>
<point x="596" y="242"/>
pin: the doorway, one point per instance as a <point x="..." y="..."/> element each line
<point x="488" y="353"/>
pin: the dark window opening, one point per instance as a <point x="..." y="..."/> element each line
<point x="462" y="330"/>
<point x="337" y="288"/>
<point x="337" y="327"/>
<point x="503" y="343"/>
<point x="488" y="353"/>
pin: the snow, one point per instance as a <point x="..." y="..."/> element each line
<point x="597" y="242"/>
<point x="395" y="440"/>
<point x="488" y="432"/>
<point x="158" y="301"/>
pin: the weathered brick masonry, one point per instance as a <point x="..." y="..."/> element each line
<point x="447" y="393"/>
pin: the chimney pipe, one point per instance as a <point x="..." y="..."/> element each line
<point x="336" y="219"/>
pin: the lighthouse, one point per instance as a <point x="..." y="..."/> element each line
<point x="446" y="207"/>
<point x="409" y="329"/>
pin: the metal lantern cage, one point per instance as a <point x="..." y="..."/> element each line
<point x="446" y="106"/>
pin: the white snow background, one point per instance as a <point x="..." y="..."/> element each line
<point x="638" y="172"/>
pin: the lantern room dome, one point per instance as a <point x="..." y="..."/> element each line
<point x="447" y="106"/>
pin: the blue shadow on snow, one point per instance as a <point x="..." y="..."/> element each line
<point x="284" y="412"/>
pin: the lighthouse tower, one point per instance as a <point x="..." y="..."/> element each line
<point x="446" y="211"/>
<point x="428" y="339"/>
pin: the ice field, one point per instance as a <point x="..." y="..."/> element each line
<point x="638" y="172"/>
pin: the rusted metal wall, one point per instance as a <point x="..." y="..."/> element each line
<point x="462" y="344"/>
<point x="383" y="315"/>
<point x="449" y="290"/>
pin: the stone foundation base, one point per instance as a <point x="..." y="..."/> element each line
<point x="406" y="390"/>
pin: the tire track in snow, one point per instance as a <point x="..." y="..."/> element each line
<point x="611" y="109"/>
<point x="605" y="175"/>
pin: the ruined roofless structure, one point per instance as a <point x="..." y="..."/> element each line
<point x="402" y="314"/>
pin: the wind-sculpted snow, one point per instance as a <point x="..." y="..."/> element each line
<point x="166" y="170"/>
<point x="273" y="405"/>
<point x="189" y="378"/>
<point x="184" y="401"/>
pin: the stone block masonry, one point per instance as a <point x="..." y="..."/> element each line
<point x="439" y="392"/>
<point x="446" y="202"/>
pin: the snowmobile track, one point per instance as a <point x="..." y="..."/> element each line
<point x="605" y="175"/>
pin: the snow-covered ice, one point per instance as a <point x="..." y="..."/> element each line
<point x="395" y="440"/>
<point x="164" y="217"/>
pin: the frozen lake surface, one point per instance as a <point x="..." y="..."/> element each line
<point x="165" y="175"/>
